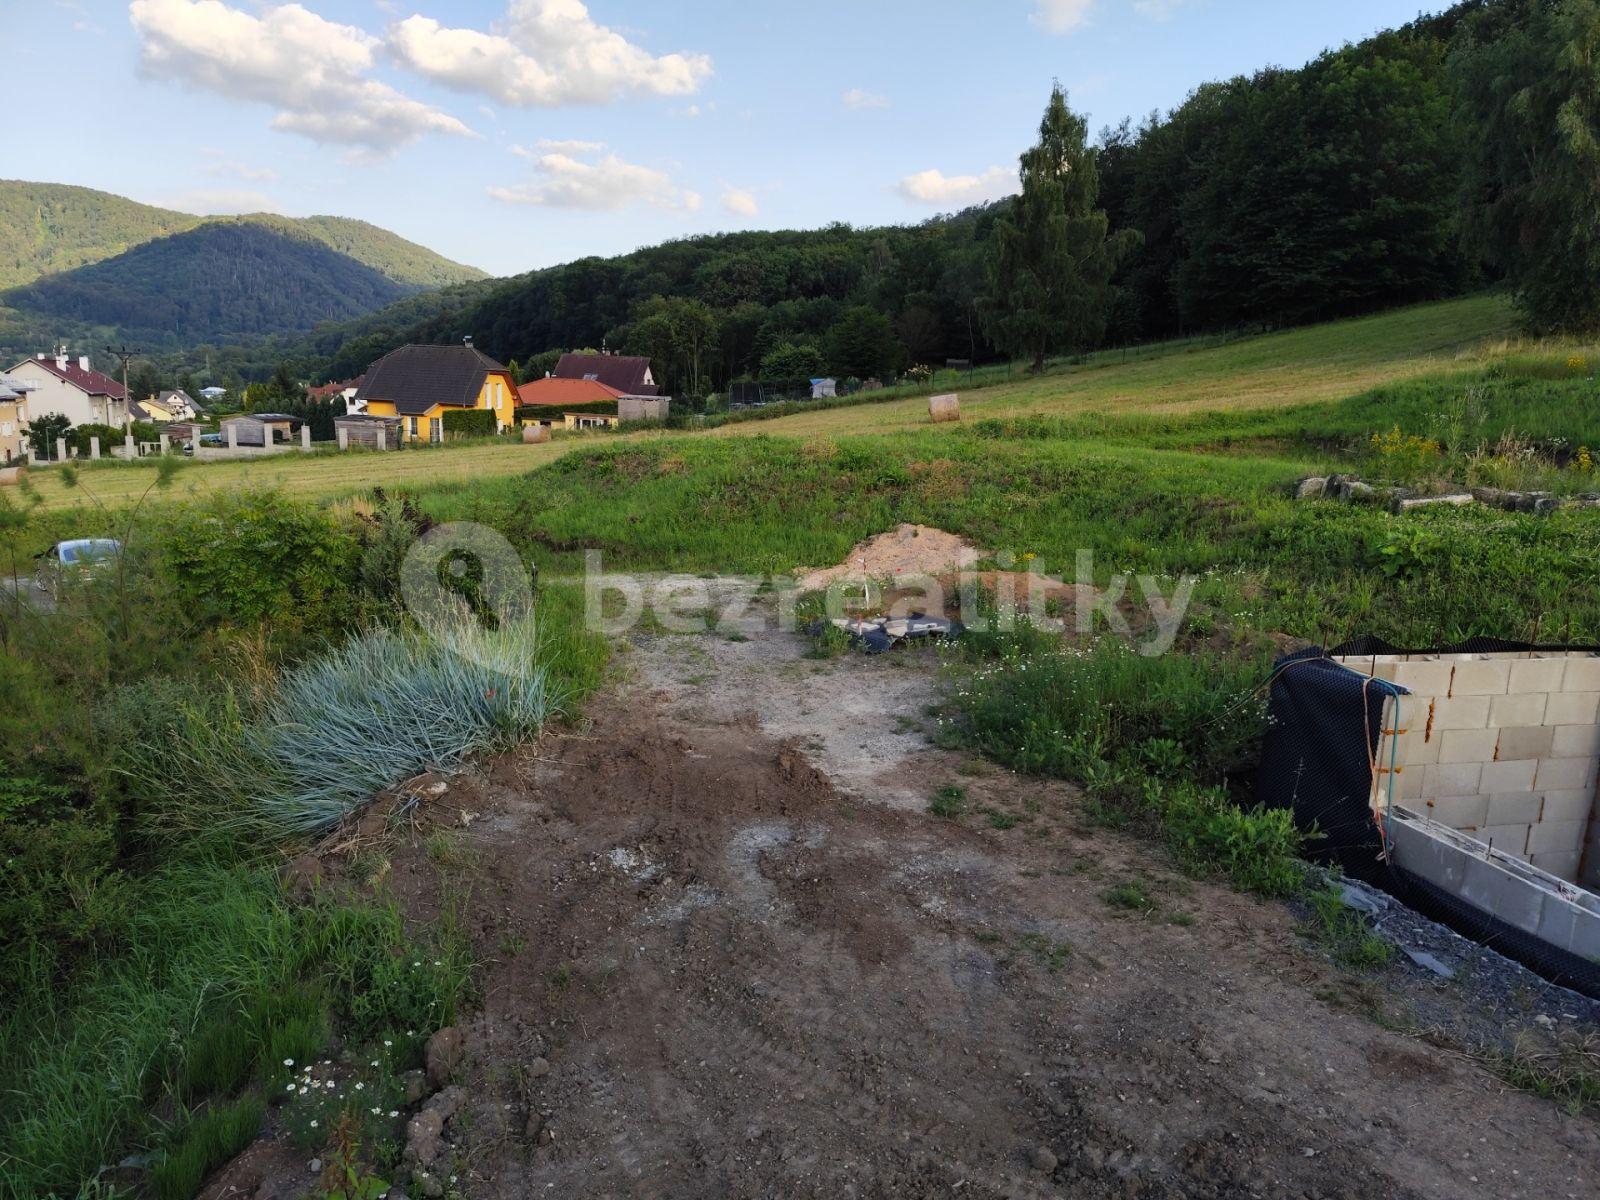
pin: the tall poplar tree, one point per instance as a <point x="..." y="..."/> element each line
<point x="1050" y="282"/>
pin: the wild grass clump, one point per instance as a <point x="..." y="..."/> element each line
<point x="1154" y="741"/>
<point x="1567" y="1072"/>
<point x="1344" y="932"/>
<point x="383" y="707"/>
<point x="1048" y="711"/>
<point x="211" y="1139"/>
<point x="221" y="980"/>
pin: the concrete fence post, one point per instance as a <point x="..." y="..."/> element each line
<point x="305" y="437"/>
<point x="166" y="443"/>
<point x="130" y="448"/>
<point x="383" y="437"/>
<point x="94" y="449"/>
<point x="343" y="435"/>
<point x="33" y="455"/>
<point x="61" y="449"/>
<point x="233" y="435"/>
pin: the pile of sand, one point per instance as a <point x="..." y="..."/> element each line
<point x="909" y="550"/>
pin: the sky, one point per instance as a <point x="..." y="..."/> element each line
<point x="514" y="134"/>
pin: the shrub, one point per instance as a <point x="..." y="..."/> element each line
<point x="471" y="422"/>
<point x="109" y="435"/>
<point x="250" y="556"/>
<point x="61" y="890"/>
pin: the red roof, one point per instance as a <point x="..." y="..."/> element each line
<point x="333" y="389"/>
<point x="559" y="392"/>
<point x="91" y="381"/>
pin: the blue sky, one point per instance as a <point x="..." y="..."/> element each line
<point x="512" y="134"/>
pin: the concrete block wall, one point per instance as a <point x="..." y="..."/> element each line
<point x="1502" y="747"/>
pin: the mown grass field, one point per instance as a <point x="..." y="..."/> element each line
<point x="1274" y="371"/>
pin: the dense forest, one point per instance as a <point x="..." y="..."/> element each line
<point x="223" y="278"/>
<point x="87" y="267"/>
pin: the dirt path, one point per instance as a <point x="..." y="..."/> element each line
<point x="754" y="966"/>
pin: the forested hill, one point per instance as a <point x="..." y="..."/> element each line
<point x="1347" y="185"/>
<point x="50" y="227"/>
<point x="221" y="281"/>
<point x="47" y="228"/>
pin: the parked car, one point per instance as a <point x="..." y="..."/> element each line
<point x="206" y="439"/>
<point x="77" y="559"/>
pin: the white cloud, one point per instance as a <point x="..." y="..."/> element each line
<point x="227" y="168"/>
<point x="857" y="98"/>
<point x="1061" y="16"/>
<point x="545" y="53"/>
<point x="221" y="202"/>
<point x="311" y="70"/>
<point x="571" y="146"/>
<point x="739" y="202"/>
<point x="605" y="185"/>
<point x="946" y="191"/>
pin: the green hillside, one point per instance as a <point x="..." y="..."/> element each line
<point x="221" y="281"/>
<point x="47" y="228"/>
<point x="50" y="227"/>
<point x="402" y="261"/>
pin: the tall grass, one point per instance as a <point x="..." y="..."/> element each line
<point x="372" y="713"/>
<point x="1155" y="741"/>
<point x="220" y="980"/>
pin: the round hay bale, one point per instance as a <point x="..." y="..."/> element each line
<point x="533" y="435"/>
<point x="11" y="476"/>
<point x="944" y="408"/>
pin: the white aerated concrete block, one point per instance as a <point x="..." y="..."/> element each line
<point x="1583" y="675"/>
<point x="1430" y="678"/>
<point x="1577" y="741"/>
<point x="1518" y="710"/>
<point x="1461" y="712"/>
<point x="1537" y="675"/>
<point x="1573" y="708"/>
<point x="1508" y="776"/>
<point x="1481" y="677"/>
<point x="1514" y="808"/>
<point x="1530" y="743"/>
<point x="1557" y="837"/>
<point x="1568" y="805"/>
<point x="1466" y="745"/>
<point x="1451" y="779"/>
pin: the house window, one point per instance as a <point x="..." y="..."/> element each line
<point x="436" y="430"/>
<point x="411" y="426"/>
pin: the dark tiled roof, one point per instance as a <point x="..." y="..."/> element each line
<point x="621" y="371"/>
<point x="90" y="381"/>
<point x="416" y="378"/>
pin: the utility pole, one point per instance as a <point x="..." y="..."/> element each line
<point x="125" y="355"/>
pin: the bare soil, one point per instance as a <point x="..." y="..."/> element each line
<point x="757" y="967"/>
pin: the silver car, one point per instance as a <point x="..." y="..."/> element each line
<point x="74" y="560"/>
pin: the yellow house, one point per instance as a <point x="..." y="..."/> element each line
<point x="13" y="419"/>
<point x="419" y="384"/>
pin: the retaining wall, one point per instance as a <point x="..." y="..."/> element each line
<point x="1502" y="747"/>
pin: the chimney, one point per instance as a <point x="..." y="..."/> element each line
<point x="83" y="361"/>
<point x="61" y="358"/>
